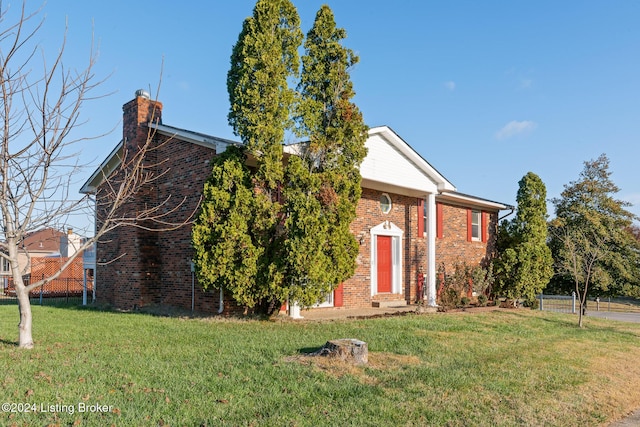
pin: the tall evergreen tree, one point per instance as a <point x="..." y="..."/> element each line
<point x="525" y="265"/>
<point x="226" y="252"/>
<point x="281" y="230"/>
<point x="325" y="178"/>
<point x="591" y="242"/>
<point x="263" y="60"/>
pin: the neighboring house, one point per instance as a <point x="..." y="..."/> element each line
<point x="42" y="253"/>
<point x="37" y="244"/>
<point x="42" y="243"/>
<point x="410" y="219"/>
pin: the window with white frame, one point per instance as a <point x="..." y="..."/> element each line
<point x="385" y="203"/>
<point x="5" y="266"/>
<point x="476" y="220"/>
<point x="424" y="217"/>
<point x="326" y="300"/>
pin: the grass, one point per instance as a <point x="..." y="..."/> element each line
<point x="502" y="368"/>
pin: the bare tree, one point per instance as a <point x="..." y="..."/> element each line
<point x="579" y="258"/>
<point x="40" y="113"/>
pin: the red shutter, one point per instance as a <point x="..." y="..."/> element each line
<point x="420" y="217"/>
<point x="439" y="233"/>
<point x="338" y="296"/>
<point x="469" y="225"/>
<point x="484" y="226"/>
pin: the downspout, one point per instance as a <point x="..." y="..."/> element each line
<point x="509" y="214"/>
<point x="193" y="285"/>
<point x="221" y="308"/>
<point x="84" y="285"/>
<point x="95" y="250"/>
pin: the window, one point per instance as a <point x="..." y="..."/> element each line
<point x="385" y="203"/>
<point x="422" y="217"/>
<point x="477" y="222"/>
<point x="5" y="267"/>
<point x="475" y="225"/>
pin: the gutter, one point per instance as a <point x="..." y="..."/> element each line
<point x="513" y="208"/>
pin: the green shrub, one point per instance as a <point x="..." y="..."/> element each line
<point x="449" y="298"/>
<point x="465" y="301"/>
<point x="534" y="304"/>
<point x="482" y="300"/>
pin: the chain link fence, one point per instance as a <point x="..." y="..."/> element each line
<point x="57" y="291"/>
<point x="570" y="304"/>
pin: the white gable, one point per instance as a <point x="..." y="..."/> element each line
<point x="392" y="165"/>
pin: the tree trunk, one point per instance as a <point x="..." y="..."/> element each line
<point x="25" y="339"/>
<point x="580" y="319"/>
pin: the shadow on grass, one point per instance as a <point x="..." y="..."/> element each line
<point x="308" y="350"/>
<point x="8" y="342"/>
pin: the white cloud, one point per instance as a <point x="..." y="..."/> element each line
<point x="451" y="85"/>
<point x="515" y="127"/>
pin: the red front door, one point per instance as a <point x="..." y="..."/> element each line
<point x="338" y="296"/>
<point x="384" y="263"/>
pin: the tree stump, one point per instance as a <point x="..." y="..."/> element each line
<point x="346" y="349"/>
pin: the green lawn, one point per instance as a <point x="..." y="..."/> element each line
<point x="516" y="367"/>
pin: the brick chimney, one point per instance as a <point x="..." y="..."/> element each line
<point x="137" y="114"/>
<point x="142" y="257"/>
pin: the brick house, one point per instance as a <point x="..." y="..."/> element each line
<point x="410" y="220"/>
<point x="43" y="243"/>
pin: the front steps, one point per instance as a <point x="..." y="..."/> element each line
<point x="389" y="303"/>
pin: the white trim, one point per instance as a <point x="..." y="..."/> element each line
<point x="431" y="250"/>
<point x="328" y="301"/>
<point x="387" y="228"/>
<point x="108" y="165"/>
<point x="194" y="137"/>
<point x="471" y="201"/>
<point x="399" y="144"/>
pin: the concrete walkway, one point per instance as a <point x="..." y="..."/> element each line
<point x="632" y="420"/>
<point x="355" y="313"/>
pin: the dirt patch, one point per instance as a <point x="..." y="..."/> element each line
<point x="377" y="316"/>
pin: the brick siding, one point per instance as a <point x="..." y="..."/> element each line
<point x="404" y="214"/>
<point x="139" y="268"/>
<point x="453" y="247"/>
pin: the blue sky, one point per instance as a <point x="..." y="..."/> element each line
<point x="484" y="91"/>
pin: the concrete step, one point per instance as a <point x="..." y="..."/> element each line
<point x="426" y="309"/>
<point x="388" y="304"/>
